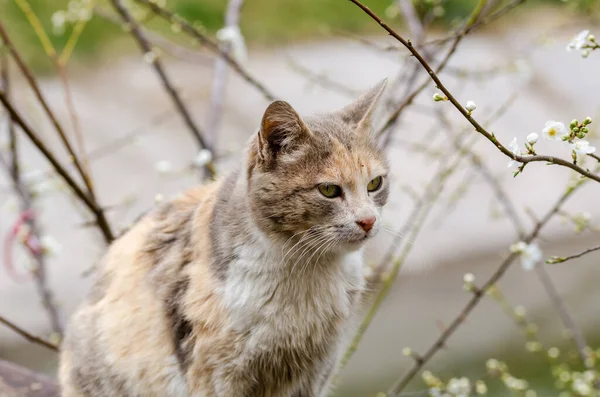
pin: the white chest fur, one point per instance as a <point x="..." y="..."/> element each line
<point x="269" y="302"/>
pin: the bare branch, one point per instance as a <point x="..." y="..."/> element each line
<point x="561" y="259"/>
<point x="27" y="335"/>
<point x="35" y="87"/>
<point x="410" y="97"/>
<point x="490" y="18"/>
<point x="564" y="314"/>
<point x="477" y="296"/>
<point x="26" y="206"/>
<point x="39" y="144"/>
<point x="175" y="50"/>
<point x="232" y="20"/>
<point x="210" y="44"/>
<point x="146" y="47"/>
<point x="491" y="137"/>
<point x="322" y="80"/>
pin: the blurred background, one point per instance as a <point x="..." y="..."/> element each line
<point x="319" y="55"/>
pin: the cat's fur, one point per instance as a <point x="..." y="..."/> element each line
<point x="244" y="287"/>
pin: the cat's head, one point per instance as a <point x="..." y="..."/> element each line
<point x="319" y="179"/>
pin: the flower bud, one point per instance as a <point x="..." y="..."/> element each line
<point x="532" y="138"/>
<point x="574" y="123"/>
<point x="575" y="130"/>
<point x="438" y="98"/>
<point x="588" y="120"/>
<point x="469" y="278"/>
<point x="584" y="130"/>
<point x="470" y="106"/>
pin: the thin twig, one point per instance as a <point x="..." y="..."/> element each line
<point x="490" y="136"/>
<point x="322" y="80"/>
<point x="487" y="175"/>
<point x="34" y="138"/>
<point x="463" y="32"/>
<point x="561" y="259"/>
<point x="38" y="93"/>
<point x="490" y="18"/>
<point x="70" y="105"/>
<point x="27" y="335"/>
<point x="478" y="294"/>
<point x="418" y="30"/>
<point x="187" y="28"/>
<point x="217" y="95"/>
<point x="146" y="47"/>
<point x="39" y="273"/>
<point x="563" y="313"/>
<point x="423" y="204"/>
<point x="415" y="26"/>
<point x="408" y="233"/>
<point x="175" y="50"/>
<point x="26" y="205"/>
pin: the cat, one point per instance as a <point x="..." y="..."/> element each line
<point x="249" y="286"/>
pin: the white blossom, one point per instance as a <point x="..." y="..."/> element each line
<point x="50" y="246"/>
<point x="582" y="388"/>
<point x="589" y="376"/>
<point x="554" y="130"/>
<point x="232" y="36"/>
<point x="459" y="387"/>
<point x="469" y="278"/>
<point x="203" y="157"/>
<point x="553" y="352"/>
<point x="39" y="183"/>
<point x="492" y="364"/>
<point x="532" y="138"/>
<point x="579" y="41"/>
<point x="58" y="22"/>
<point x="33" y="176"/>
<point x="513" y="146"/>
<point x="470" y="106"/>
<point x="530" y="254"/>
<point x="438" y="98"/>
<point x="582" y="147"/>
<point x="163" y="167"/>
<point x="435" y="392"/>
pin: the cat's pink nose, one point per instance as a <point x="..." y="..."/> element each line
<point x="366" y="224"/>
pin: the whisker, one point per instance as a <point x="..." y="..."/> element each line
<point x="330" y="243"/>
<point x="300" y="243"/>
<point x="316" y="241"/>
<point x="323" y="244"/>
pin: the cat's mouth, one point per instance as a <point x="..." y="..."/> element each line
<point x="360" y="239"/>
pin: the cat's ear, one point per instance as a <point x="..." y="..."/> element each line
<point x="281" y="130"/>
<point x="360" y="112"/>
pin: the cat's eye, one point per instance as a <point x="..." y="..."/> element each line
<point x="375" y="184"/>
<point x="330" y="191"/>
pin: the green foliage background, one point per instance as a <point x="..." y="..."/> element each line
<point x="264" y="22"/>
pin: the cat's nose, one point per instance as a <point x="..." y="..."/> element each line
<point x="366" y="224"/>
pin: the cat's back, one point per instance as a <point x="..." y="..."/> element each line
<point x="121" y="336"/>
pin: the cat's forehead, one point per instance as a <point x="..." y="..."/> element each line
<point x="351" y="154"/>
